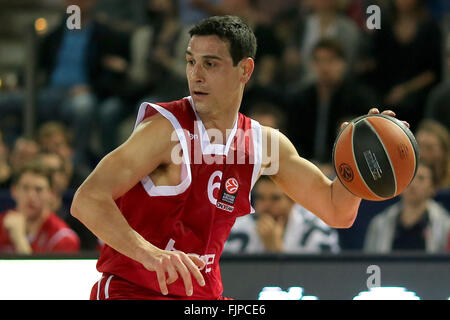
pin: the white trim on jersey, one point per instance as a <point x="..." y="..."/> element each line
<point x="58" y="236"/>
<point x="98" y="287"/>
<point x="257" y="153"/>
<point x="147" y="182"/>
<point x="207" y="146"/>
<point x="107" y="286"/>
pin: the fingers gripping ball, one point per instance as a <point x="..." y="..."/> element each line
<point x="375" y="157"/>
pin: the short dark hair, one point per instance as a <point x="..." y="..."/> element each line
<point x="233" y="29"/>
<point x="331" y="45"/>
<point x="36" y="167"/>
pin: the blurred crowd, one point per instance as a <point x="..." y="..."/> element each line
<point x="317" y="65"/>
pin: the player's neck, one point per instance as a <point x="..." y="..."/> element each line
<point x="222" y="120"/>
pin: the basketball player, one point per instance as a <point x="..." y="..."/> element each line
<point x="164" y="201"/>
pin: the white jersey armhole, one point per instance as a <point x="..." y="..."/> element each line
<point x="257" y="156"/>
<point x="186" y="177"/>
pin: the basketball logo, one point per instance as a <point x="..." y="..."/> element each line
<point x="346" y="172"/>
<point x="231" y="185"/>
<point x="403" y="151"/>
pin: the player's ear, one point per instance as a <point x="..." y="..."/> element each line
<point x="247" y="65"/>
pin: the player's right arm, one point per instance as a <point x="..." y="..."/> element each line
<point x="148" y="147"/>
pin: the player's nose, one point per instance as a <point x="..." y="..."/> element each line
<point x="197" y="74"/>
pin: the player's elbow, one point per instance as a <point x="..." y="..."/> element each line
<point x="79" y="199"/>
<point x="341" y="221"/>
<point x="345" y="223"/>
<point x="75" y="209"/>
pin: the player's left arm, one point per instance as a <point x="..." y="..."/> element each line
<point x="304" y="183"/>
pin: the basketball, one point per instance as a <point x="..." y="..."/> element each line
<point x="375" y="157"/>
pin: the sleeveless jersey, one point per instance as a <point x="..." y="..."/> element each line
<point x="196" y="215"/>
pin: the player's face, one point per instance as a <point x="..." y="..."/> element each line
<point x="421" y="188"/>
<point x="214" y="82"/>
<point x="32" y="195"/>
<point x="269" y="199"/>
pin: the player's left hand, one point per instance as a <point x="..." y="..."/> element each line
<point x="377" y="111"/>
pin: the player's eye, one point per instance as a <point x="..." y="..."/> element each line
<point x="190" y="61"/>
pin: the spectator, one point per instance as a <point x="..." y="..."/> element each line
<point x="244" y="8"/>
<point x="55" y="164"/>
<point x="192" y="11"/>
<point x="408" y="59"/>
<point x="279" y="225"/>
<point x="417" y="222"/>
<point x="437" y="102"/>
<point x="437" y="107"/>
<point x="79" y="70"/>
<point x="24" y="150"/>
<point x="268" y="114"/>
<point x="326" y="21"/>
<point x="31" y="227"/>
<point x="434" y="146"/>
<point x="84" y="67"/>
<point x="5" y="168"/>
<point x="292" y="71"/>
<point x="271" y="115"/>
<point x="166" y="63"/>
<point x="125" y="15"/>
<point x="55" y="137"/>
<point x="316" y="110"/>
<point x="448" y="242"/>
<point x="264" y="86"/>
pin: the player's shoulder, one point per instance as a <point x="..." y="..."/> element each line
<point x="172" y="113"/>
<point x="178" y="108"/>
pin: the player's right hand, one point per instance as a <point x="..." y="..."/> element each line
<point x="174" y="264"/>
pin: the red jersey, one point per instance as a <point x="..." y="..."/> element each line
<point x="196" y="215"/>
<point x="53" y="236"/>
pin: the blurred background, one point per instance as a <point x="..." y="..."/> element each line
<point x="69" y="96"/>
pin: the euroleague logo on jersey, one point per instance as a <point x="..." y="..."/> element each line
<point x="231" y="185"/>
<point x="227" y="196"/>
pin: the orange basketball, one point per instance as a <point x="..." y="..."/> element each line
<point x="375" y="157"/>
